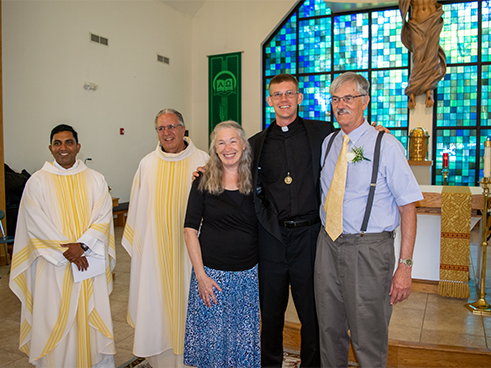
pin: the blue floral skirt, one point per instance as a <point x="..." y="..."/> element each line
<point x="226" y="334"/>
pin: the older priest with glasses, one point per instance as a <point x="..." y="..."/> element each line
<point x="153" y="236"/>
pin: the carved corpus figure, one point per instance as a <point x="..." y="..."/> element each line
<point x="421" y="35"/>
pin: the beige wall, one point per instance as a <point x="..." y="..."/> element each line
<point x="47" y="57"/>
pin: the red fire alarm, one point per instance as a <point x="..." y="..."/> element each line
<point x="121" y="131"/>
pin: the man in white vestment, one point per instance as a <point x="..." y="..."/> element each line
<point x="153" y="236"/>
<point x="62" y="262"/>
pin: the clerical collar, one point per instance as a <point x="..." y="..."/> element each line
<point x="293" y="126"/>
<point x="75" y="165"/>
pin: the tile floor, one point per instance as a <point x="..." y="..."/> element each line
<point x="423" y="317"/>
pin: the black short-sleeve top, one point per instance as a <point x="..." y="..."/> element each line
<point x="228" y="233"/>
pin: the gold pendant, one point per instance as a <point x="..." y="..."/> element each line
<point x="288" y="179"/>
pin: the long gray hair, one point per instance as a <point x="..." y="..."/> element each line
<point x="212" y="180"/>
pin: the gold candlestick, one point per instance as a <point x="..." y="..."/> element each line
<point x="445" y="174"/>
<point x="481" y="306"/>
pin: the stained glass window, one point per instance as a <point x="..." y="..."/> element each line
<point x="486" y="31"/>
<point x="316" y="103"/>
<point x="463" y="95"/>
<point x="351" y="42"/>
<point x="457" y="97"/>
<point x="314" y="46"/>
<point x="459" y="35"/>
<point x="461" y="147"/>
<point x="280" y="53"/>
<point x="486" y="95"/>
<point x="329" y="44"/>
<point x="389" y="103"/>
<point x="387" y="48"/>
<point x="313" y="8"/>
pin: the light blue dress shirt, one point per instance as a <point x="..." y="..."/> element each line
<point x="396" y="184"/>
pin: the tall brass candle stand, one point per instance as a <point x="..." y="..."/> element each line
<point x="481" y="306"/>
<point x="445" y="174"/>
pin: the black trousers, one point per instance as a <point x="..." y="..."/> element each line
<point x="278" y="269"/>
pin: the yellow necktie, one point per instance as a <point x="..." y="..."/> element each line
<point x="334" y="200"/>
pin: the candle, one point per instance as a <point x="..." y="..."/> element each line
<point x="487" y="158"/>
<point x="445" y="160"/>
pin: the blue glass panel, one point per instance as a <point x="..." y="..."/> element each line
<point x="457" y="97"/>
<point x="389" y="103"/>
<point x="351" y="42"/>
<point x="314" y="46"/>
<point x="387" y="48"/>
<point x="486" y="95"/>
<point x="459" y="37"/>
<point x="486" y="31"/>
<point x="316" y="101"/>
<point x="280" y="53"/>
<point x="312" y="8"/>
<point x="461" y="147"/>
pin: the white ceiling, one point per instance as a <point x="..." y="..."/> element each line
<point x="191" y="7"/>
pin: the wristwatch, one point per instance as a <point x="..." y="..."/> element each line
<point x="408" y="261"/>
<point x="84" y="247"/>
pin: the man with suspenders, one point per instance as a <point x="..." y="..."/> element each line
<point x="366" y="185"/>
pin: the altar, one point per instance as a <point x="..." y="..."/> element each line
<point x="426" y="254"/>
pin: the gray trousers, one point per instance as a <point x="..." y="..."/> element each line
<point x="352" y="281"/>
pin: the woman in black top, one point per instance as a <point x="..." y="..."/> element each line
<point x="222" y="325"/>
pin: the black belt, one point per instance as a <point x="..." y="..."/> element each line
<point x="299" y="223"/>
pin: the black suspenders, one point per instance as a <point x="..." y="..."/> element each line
<point x="373" y="184"/>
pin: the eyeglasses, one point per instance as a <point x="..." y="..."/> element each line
<point x="171" y="127"/>
<point x="346" y="99"/>
<point x="288" y="94"/>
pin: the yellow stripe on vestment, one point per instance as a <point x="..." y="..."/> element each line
<point x="102" y="228"/>
<point x="172" y="190"/>
<point x="25" y="330"/>
<point x="96" y="320"/>
<point x="84" y="358"/>
<point x="74" y="205"/>
<point x="61" y="322"/>
<point x="25" y="349"/>
<point x="129" y="233"/>
<point x="22" y="284"/>
<point x="112" y="242"/>
<point x="109" y="274"/>
<point x="23" y="255"/>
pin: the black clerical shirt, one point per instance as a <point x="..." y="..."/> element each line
<point x="286" y="152"/>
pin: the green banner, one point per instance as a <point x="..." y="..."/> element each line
<point x="224" y="88"/>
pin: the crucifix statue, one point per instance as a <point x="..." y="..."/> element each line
<point x="421" y="35"/>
